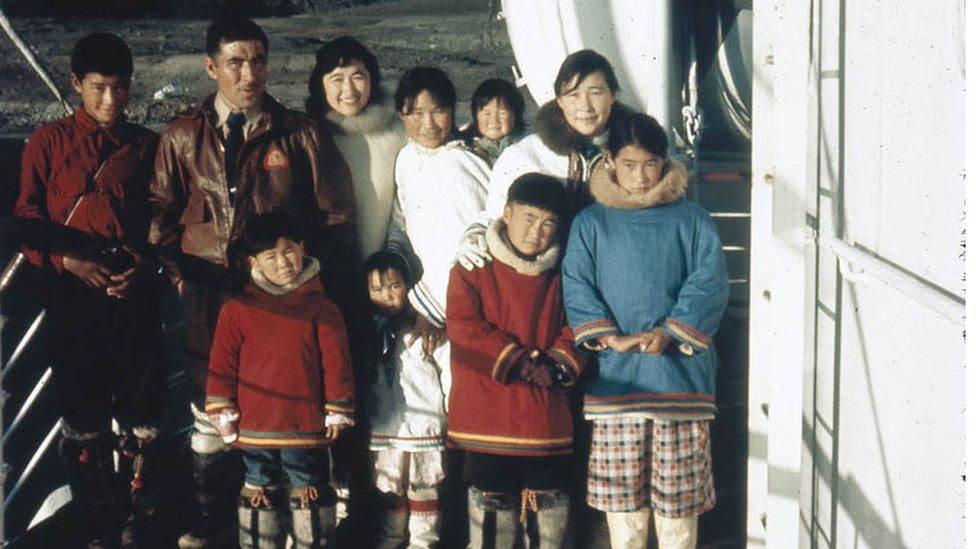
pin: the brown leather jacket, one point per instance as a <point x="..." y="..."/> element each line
<point x="285" y="163"/>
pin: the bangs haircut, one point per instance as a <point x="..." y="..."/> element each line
<point x="341" y="52"/>
<point x="540" y="191"/>
<point x="383" y="260"/>
<point x="233" y="29"/>
<point x="506" y="92"/>
<point x="640" y="130"/>
<point x="419" y="79"/>
<point x="104" y="53"/>
<point x="578" y="65"/>
<point x="262" y="232"/>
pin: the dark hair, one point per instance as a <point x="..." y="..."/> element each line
<point x="419" y="79"/>
<point x="340" y="52"/>
<point x="101" y="52"/>
<point x="233" y="29"/>
<point x="385" y="259"/>
<point x="262" y="232"/>
<point x="637" y="129"/>
<point x="578" y="65"/>
<point x="542" y="191"/>
<point x="501" y="89"/>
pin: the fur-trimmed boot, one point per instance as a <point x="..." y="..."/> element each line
<point x="139" y="468"/>
<point x="544" y="516"/>
<point x="313" y="517"/>
<point x="676" y="533"/>
<point x="95" y="487"/>
<point x="629" y="530"/>
<point x="258" y="513"/>
<point x="492" y="519"/>
<point x="424" y="520"/>
<point x="217" y="473"/>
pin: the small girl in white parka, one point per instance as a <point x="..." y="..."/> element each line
<point x="407" y="410"/>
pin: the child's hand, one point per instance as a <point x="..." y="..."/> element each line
<point x="431" y="337"/>
<point x="332" y="432"/>
<point x="534" y="372"/>
<point x="225" y="421"/>
<point x="654" y="342"/>
<point x="623" y="343"/>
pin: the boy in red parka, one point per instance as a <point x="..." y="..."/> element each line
<point x="512" y="361"/>
<point x="281" y="385"/>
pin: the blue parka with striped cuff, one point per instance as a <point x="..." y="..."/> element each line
<point x="636" y="262"/>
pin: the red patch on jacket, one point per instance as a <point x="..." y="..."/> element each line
<point x="275" y="159"/>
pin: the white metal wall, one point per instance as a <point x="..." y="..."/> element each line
<point x="857" y="388"/>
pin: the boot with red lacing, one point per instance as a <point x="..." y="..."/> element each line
<point x="94" y="485"/>
<point x="313" y="517"/>
<point x="259" y="512"/>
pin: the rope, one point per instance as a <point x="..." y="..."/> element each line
<point x="528" y="502"/>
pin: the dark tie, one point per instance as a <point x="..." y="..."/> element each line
<point x="232" y="146"/>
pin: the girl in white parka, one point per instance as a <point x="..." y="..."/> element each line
<point x="441" y="187"/>
<point x="406" y="409"/>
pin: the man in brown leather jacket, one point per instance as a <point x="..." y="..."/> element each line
<point x="237" y="155"/>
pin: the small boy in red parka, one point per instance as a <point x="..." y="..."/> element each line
<point x="281" y="385"/>
<point x="513" y="362"/>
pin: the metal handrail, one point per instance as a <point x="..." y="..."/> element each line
<point x="28" y="335"/>
<point x="949" y="308"/>
<point x="38" y="454"/>
<point x="25" y="407"/>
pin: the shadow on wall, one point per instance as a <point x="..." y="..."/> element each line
<point x="850" y="496"/>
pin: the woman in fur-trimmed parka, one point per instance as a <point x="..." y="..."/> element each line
<point x="645" y="286"/>
<point x="570" y="135"/>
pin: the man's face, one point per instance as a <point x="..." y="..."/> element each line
<point x="103" y="97"/>
<point x="638" y="170"/>
<point x="387" y="291"/>
<point x="428" y="123"/>
<point x="282" y="264"/>
<point x="586" y="104"/>
<point x="529" y="229"/>
<point x="347" y="88"/>
<point x="241" y="72"/>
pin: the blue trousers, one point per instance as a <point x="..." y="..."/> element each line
<point x="302" y="467"/>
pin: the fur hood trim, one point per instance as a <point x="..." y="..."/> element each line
<point x="375" y="117"/>
<point x="558" y="135"/>
<point x="606" y="190"/>
<point x="311" y="269"/>
<point x="502" y="250"/>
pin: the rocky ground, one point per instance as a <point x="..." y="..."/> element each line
<point x="460" y="37"/>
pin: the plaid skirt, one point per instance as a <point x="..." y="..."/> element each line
<point x="637" y="462"/>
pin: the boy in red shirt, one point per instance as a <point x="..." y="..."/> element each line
<point x="512" y="363"/>
<point x="91" y="171"/>
<point x="281" y="385"/>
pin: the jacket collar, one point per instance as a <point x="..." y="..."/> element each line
<point x="311" y="269"/>
<point x="559" y="136"/>
<point x="375" y="117"/>
<point x="271" y="112"/>
<point x="501" y="249"/>
<point x="116" y="132"/>
<point x="606" y="190"/>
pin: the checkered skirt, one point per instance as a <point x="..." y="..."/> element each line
<point x="637" y="462"/>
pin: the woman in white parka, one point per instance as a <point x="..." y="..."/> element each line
<point x="568" y="138"/>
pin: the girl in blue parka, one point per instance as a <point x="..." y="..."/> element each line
<point x="645" y="287"/>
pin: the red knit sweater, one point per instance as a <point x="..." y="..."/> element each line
<point x="494" y="316"/>
<point x="284" y="361"/>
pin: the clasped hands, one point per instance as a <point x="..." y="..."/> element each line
<point x="654" y="342"/>
<point x="96" y="274"/>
